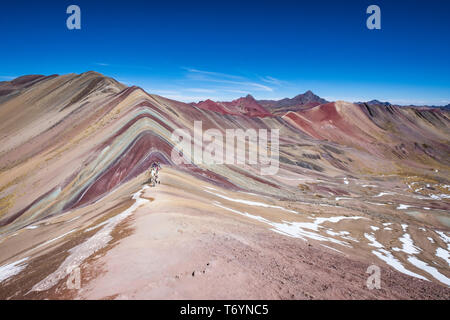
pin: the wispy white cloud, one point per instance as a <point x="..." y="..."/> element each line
<point x="223" y="78"/>
<point x="254" y="85"/>
<point x="102" y="64"/>
<point x="213" y="74"/>
<point x="162" y="92"/>
<point x="200" y="90"/>
<point x="273" y="81"/>
<point x="188" y="98"/>
<point x="242" y="84"/>
<point x="347" y="99"/>
<point x="123" y="66"/>
<point x="236" y="91"/>
<point x="193" y="85"/>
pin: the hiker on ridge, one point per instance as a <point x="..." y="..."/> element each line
<point x="154" y="170"/>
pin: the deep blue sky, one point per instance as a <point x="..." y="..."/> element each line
<point x="192" y="50"/>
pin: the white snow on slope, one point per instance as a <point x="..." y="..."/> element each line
<point x="11" y="269"/>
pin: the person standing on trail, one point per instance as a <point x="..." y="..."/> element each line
<point x="154" y="170"/>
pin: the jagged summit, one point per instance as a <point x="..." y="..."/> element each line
<point x="299" y="102"/>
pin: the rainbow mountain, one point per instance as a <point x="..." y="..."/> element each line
<point x="357" y="185"/>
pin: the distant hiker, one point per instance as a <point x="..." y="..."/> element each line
<point x="154" y="170"/>
<point x="152" y="177"/>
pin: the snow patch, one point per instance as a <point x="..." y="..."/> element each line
<point x="408" y="245"/>
<point x="251" y="203"/>
<point x="301" y="230"/>
<point x="387" y="257"/>
<point x="373" y="241"/>
<point x="444" y="254"/>
<point x="84" y="250"/>
<point x="11" y="269"/>
<point x="429" y="269"/>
